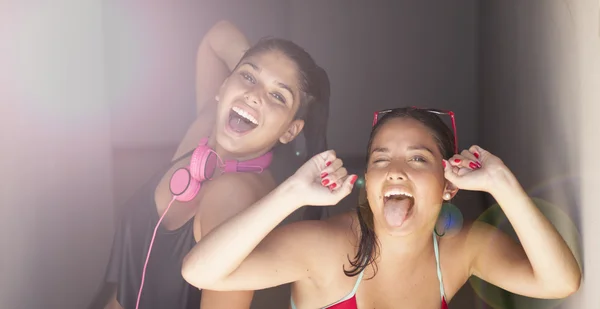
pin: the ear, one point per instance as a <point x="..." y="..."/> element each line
<point x="451" y="189"/>
<point x="293" y="130"/>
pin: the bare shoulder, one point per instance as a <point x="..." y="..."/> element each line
<point x="326" y="243"/>
<point x="344" y="232"/>
<point x="475" y="234"/>
<point x="245" y="187"/>
<point x="465" y="241"/>
<point x="458" y="250"/>
<point x="228" y="195"/>
<point x="332" y="232"/>
<point x="345" y="225"/>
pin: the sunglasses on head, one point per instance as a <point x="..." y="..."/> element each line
<point x="379" y="114"/>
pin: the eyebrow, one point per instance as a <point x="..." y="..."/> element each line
<point x="417" y="147"/>
<point x="279" y="84"/>
<point x="421" y="147"/>
<point x="380" y="149"/>
<point x="286" y="87"/>
<point x="254" y="66"/>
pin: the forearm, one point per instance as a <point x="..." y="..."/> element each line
<point x="219" y="52"/>
<point x="224" y="249"/>
<point x="228" y="43"/>
<point x="552" y="262"/>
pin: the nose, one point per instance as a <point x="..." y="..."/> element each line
<point x="396" y="173"/>
<point x="395" y="177"/>
<point x="252" y="97"/>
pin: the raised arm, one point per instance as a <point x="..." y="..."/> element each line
<point x="235" y="257"/>
<point x="220" y="50"/>
<point x="543" y="266"/>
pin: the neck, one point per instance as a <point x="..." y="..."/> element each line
<point x="407" y="247"/>
<point x="225" y="155"/>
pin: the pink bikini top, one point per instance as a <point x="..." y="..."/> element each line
<point x="349" y="302"/>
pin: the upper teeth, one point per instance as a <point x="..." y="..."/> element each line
<point x="245" y="114"/>
<point x="397" y="192"/>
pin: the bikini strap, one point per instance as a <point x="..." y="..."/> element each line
<point x="439" y="269"/>
<point x="360" y="276"/>
<point x="350" y="295"/>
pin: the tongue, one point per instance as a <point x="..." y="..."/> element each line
<point x="239" y="124"/>
<point x="396" y="211"/>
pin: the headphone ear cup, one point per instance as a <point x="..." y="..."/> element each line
<point x="183" y="186"/>
<point x="191" y="191"/>
<point x="203" y="163"/>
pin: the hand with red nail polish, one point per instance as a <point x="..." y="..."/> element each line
<point x="321" y="181"/>
<point x="475" y="169"/>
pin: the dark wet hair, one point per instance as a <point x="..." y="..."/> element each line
<point x="368" y="248"/>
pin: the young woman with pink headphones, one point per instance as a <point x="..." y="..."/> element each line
<point x="265" y="96"/>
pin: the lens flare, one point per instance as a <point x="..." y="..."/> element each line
<point x="498" y="298"/>
<point x="450" y="220"/>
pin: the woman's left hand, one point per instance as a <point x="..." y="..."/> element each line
<point x="476" y="169"/>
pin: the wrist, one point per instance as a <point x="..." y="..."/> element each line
<point x="504" y="182"/>
<point x="290" y="193"/>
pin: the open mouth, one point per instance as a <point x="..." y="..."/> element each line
<point x="397" y="207"/>
<point x="241" y="121"/>
<point x="401" y="196"/>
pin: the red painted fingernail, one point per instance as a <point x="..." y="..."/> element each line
<point x="328" y="163"/>
<point x="444" y="163"/>
<point x="476" y="155"/>
<point x="353" y="180"/>
<point x="324" y="174"/>
<point x="325" y="182"/>
<point x="473" y="165"/>
<point x="456" y="160"/>
<point x="333" y="186"/>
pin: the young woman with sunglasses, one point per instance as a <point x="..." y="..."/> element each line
<point x="386" y="254"/>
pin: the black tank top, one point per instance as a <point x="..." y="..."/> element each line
<point x="164" y="287"/>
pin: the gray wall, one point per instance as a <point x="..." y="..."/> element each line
<point x="55" y="167"/>
<point x="385" y="54"/>
<point x="538" y="62"/>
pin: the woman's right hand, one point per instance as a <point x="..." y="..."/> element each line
<point x="322" y="181"/>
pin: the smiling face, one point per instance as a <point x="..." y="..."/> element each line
<point x="257" y="105"/>
<point x="405" y="179"/>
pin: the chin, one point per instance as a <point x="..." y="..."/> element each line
<point x="240" y="146"/>
<point x="230" y="144"/>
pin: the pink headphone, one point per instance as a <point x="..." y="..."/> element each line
<point x="186" y="181"/>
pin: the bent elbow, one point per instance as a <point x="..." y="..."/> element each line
<point x="188" y="274"/>
<point x="567" y="287"/>
<point x="191" y="274"/>
<point x="573" y="286"/>
<point x="193" y="278"/>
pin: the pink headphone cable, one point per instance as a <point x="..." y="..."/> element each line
<point x="137" y="304"/>
<point x="187" y="181"/>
